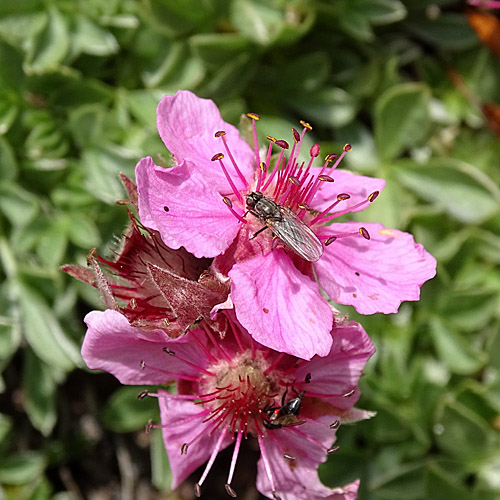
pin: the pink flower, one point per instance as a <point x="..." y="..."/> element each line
<point x="153" y="286"/>
<point x="232" y="389"/>
<point x="202" y="204"/>
<point x="491" y="4"/>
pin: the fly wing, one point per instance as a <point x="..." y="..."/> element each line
<point x="297" y="235"/>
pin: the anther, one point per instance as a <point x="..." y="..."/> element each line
<point x="308" y="378"/>
<point x="282" y="144"/>
<point x="347" y="148"/>
<point x="149" y="427"/>
<point x="184" y="449"/>
<point x="132" y="303"/>
<point x="304" y="206"/>
<point x="373" y="196"/>
<point x="143" y="394"/>
<point x="331" y="157"/>
<point x="217" y="156"/>
<point x="169" y="351"/>
<point x="90" y="255"/>
<point x="330" y="240"/>
<point x="296" y="135"/>
<point x="254" y="116"/>
<point x="197" y="490"/>
<point x="349" y="394"/>
<point x="166" y="208"/>
<point x="270" y="138"/>
<point x="276" y="496"/>
<point x="305" y="124"/>
<point x="363" y="232"/>
<point x="230" y="491"/>
<point x="335" y="424"/>
<point x="326" y="178"/>
<point x="288" y="457"/>
<point x="333" y="449"/>
<point x="227" y="201"/>
<point x="142" y="364"/>
<point x="263" y="166"/>
<point x="314" y="151"/>
<point x="294" y="180"/>
<point x="220" y="133"/>
<point x="343" y="197"/>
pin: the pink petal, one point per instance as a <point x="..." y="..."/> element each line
<point x="280" y="307"/>
<point x="340" y="371"/>
<point x="373" y="275"/>
<point x="300" y="481"/>
<point x="197" y="218"/>
<point x="357" y="186"/>
<point x="135" y="356"/>
<point x="187" y="125"/>
<point x="182" y="422"/>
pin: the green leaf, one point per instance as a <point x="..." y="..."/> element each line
<point x="44" y="333"/>
<point x="50" y="47"/>
<point x="40" y="393"/>
<point x="401" y="119"/>
<point x="21" y="468"/>
<point x="5" y="428"/>
<point x="161" y="474"/>
<point x="454" y="350"/>
<point x="89" y="38"/>
<point x="19" y="206"/>
<point x="8" y="161"/>
<point x="440" y="484"/>
<point x="459" y="188"/>
<point x="462" y="434"/>
<point x="219" y="48"/>
<point x="124" y="412"/>
<point x="8" y="113"/>
<point x="53" y="243"/>
<point x="83" y="231"/>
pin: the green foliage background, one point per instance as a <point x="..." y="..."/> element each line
<point x="79" y="84"/>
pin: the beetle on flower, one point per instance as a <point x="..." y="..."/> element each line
<point x="225" y="391"/>
<point x="201" y="203"/>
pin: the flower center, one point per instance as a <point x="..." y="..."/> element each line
<point x="239" y="392"/>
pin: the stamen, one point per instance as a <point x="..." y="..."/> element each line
<point x="335" y="424"/>
<point x="229" y="204"/>
<point x="371" y="198"/>
<point x="332" y="450"/>
<point x="218" y="157"/>
<point x="255" y="117"/>
<point x="326" y="211"/>
<point x="274" y="363"/>
<point x="222" y="134"/>
<point x="233" y="463"/>
<point x="296" y="135"/>
<point x="193" y="365"/>
<point x="265" y="459"/>
<point x="218" y="446"/>
<point x="143" y="394"/>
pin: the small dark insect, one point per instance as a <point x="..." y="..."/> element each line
<point x="286" y="225"/>
<point x="285" y="415"/>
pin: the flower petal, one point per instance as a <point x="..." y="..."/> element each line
<point x="134" y="356"/>
<point x="280" y="307"/>
<point x="187" y="125"/>
<point x="373" y="275"/>
<point x="298" y="479"/>
<point x="358" y="187"/>
<point x="339" y="372"/>
<point x="182" y="205"/>
<point x="182" y="422"/>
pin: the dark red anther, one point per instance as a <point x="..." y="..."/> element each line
<point x="314" y="151"/>
<point x="227" y="201"/>
<point x="333" y="449"/>
<point x="296" y="135"/>
<point x="169" y="351"/>
<point x="220" y="133"/>
<point x="184" y="448"/>
<point x="330" y="240"/>
<point x="270" y="138"/>
<point x="331" y="157"/>
<point x="373" y="196"/>
<point x="305" y="206"/>
<point x="363" y="232"/>
<point x="347" y="148"/>
<point x="349" y="394"/>
<point x="343" y="196"/>
<point x="294" y="180"/>
<point x="326" y="178"/>
<point x="335" y="424"/>
<point x="142" y="394"/>
<point x="282" y="144"/>
<point x="166" y="208"/>
<point x="253" y="116"/>
<point x="217" y="156"/>
<point x="288" y="457"/>
<point x="230" y="491"/>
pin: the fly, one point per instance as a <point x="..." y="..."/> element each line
<point x="285" y="415"/>
<point x="285" y="225"/>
